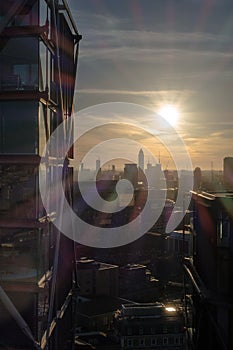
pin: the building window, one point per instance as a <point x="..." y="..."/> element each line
<point x="171" y="340"/>
<point x="105" y="320"/>
<point x="129" y="331"/>
<point x="142" y="342"/>
<point x="141" y="330"/>
<point x="16" y="127"/>
<point x="20" y="64"/>
<point x="153" y="341"/>
<point x="129" y="342"/>
<point x="165" y="341"/>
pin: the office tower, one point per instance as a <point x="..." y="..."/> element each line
<point x="197" y="178"/>
<point x="131" y="173"/>
<point x="141" y="159"/>
<point x="211" y="271"/>
<point x="228" y="172"/>
<point x="97" y="165"/>
<point x="154" y="175"/>
<point x="141" y="175"/>
<point x="38" y="59"/>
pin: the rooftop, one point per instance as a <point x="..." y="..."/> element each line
<point x="87" y="263"/>
<point x="148" y="310"/>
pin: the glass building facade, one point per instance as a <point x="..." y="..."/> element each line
<point x="38" y="60"/>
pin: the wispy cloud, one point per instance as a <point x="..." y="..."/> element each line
<point x="142" y="93"/>
<point x="189" y="63"/>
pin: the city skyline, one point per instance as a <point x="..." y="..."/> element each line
<point x="158" y="53"/>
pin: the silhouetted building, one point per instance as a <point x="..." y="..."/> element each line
<point x="97" y="165"/>
<point x="131" y="174"/>
<point x="154" y="176"/>
<point x="197" y="178"/>
<point x="211" y="271"/>
<point x="150" y="326"/>
<point x="38" y="59"/>
<point x="141" y="159"/>
<point x="97" y="278"/>
<point x="138" y="284"/>
<point x="96" y="314"/>
<point x="228" y="172"/>
<point x="180" y="242"/>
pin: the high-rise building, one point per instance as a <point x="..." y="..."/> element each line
<point x="97" y="165"/>
<point x="228" y="172"/>
<point x="154" y="175"/>
<point x="197" y="178"/>
<point x="38" y="60"/>
<point x="141" y="159"/>
<point x="131" y="173"/>
<point x="211" y="271"/>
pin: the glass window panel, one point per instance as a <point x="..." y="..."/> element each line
<point x="19" y="131"/>
<point x="19" y="64"/>
<point x="46" y="75"/>
<point x="43" y="126"/>
<point x="44" y="9"/>
<point x="29" y="15"/>
<point x="23" y="254"/>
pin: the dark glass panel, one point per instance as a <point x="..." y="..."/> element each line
<point x="19" y="64"/>
<point x="18" y="127"/>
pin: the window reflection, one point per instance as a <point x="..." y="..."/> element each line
<point x="22" y="254"/>
<point x="19" y="64"/>
<point x="18" y="131"/>
<point x="27" y="16"/>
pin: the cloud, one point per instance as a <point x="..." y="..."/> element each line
<point x="188" y="61"/>
<point x="143" y="93"/>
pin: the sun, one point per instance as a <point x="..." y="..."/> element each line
<point x="170" y="113"/>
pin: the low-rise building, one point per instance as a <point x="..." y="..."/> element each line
<point x="97" y="278"/>
<point x="138" y="284"/>
<point x="180" y="242"/>
<point x="150" y="326"/>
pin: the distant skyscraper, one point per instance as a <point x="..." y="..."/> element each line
<point x="97" y="165"/>
<point x="154" y="175"/>
<point x="141" y="159"/>
<point x="131" y="173"/>
<point x="197" y="178"/>
<point x="228" y="172"/>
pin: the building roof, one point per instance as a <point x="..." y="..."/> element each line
<point x="100" y="305"/>
<point x="145" y="310"/>
<point x="87" y="263"/>
<point x="213" y="195"/>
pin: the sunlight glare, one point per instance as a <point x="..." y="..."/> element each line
<point x="170" y="113"/>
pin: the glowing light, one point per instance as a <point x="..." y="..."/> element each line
<point x="170" y="113"/>
<point x="170" y="309"/>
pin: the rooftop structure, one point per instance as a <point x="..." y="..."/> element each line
<point x="149" y="326"/>
<point x="97" y="278"/>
